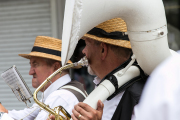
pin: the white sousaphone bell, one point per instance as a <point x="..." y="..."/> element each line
<point x="147" y="31"/>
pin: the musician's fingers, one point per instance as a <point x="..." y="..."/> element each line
<point x="77" y="115"/>
<point x="73" y="117"/>
<point x="78" y="110"/>
<point x="85" y="107"/>
<point x="52" y="117"/>
<point x="100" y="106"/>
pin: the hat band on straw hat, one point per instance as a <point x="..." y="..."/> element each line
<point x="46" y="50"/>
<point x="112" y="35"/>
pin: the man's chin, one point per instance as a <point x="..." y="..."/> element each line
<point x="34" y="83"/>
<point x="34" y="86"/>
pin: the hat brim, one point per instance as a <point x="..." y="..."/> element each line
<point x="116" y="42"/>
<point x="43" y="55"/>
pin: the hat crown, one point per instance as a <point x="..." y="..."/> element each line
<point x="113" y="25"/>
<point x="112" y="32"/>
<point x="46" y="47"/>
<point x="48" y="42"/>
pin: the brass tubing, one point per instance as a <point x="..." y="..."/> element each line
<point x="82" y="62"/>
<point x="42" y="105"/>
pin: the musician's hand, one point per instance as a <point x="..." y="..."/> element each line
<point x="82" y="111"/>
<point x="52" y="117"/>
<point x="3" y="109"/>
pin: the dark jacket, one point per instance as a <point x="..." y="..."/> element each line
<point x="129" y="99"/>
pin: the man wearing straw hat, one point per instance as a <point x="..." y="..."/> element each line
<point x="45" y="59"/>
<point x="108" y="48"/>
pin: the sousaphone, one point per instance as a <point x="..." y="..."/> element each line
<point x="145" y="19"/>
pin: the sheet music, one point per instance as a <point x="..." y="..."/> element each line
<point x="15" y="81"/>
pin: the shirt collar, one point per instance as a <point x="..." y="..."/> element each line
<point x="96" y="80"/>
<point x="57" y="84"/>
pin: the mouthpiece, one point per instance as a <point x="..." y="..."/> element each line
<point x="82" y="62"/>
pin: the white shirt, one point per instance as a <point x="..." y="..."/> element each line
<point x="53" y="98"/>
<point x="111" y="105"/>
<point x="161" y="96"/>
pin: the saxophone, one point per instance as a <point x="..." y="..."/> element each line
<point x="56" y="110"/>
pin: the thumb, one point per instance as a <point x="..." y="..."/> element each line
<point x="52" y="117"/>
<point x="100" y="106"/>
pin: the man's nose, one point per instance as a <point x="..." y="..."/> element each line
<point x="84" y="51"/>
<point x="31" y="71"/>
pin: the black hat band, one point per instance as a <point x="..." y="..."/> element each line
<point x="46" y="50"/>
<point x="112" y="35"/>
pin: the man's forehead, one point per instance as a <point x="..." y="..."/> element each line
<point x="35" y="59"/>
<point x="87" y="39"/>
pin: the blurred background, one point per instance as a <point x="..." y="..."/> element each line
<point x="22" y="20"/>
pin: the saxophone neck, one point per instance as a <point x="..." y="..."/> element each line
<point x="82" y="62"/>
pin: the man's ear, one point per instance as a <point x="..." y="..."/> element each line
<point x="56" y="66"/>
<point x="104" y="50"/>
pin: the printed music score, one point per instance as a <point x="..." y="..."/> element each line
<point x="13" y="78"/>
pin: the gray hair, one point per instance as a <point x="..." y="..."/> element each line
<point x="50" y="62"/>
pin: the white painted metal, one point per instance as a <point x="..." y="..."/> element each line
<point x="67" y="28"/>
<point x="106" y="88"/>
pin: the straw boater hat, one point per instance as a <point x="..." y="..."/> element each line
<point x="111" y="32"/>
<point x="46" y="47"/>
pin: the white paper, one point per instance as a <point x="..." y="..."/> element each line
<point x="15" y="81"/>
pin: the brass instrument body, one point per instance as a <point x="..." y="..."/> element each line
<point x="55" y="112"/>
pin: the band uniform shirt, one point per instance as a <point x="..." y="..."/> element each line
<point x="111" y="105"/>
<point x="161" y="95"/>
<point x="53" y="98"/>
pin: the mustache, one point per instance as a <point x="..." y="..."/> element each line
<point x="34" y="75"/>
